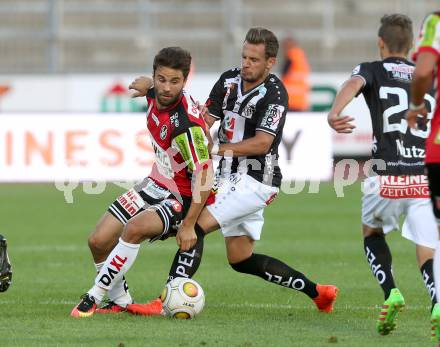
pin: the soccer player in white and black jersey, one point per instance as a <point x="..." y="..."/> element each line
<point x="251" y="105"/>
<point x="398" y="186"/>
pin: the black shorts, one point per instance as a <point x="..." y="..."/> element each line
<point x="171" y="208"/>
<point x="433" y="172"/>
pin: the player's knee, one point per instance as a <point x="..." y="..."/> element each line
<point x="369" y="231"/>
<point x="134" y="233"/>
<point x="97" y="243"/>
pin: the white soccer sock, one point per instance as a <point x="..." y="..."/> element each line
<point x="436" y="270"/>
<point x="117" y="264"/>
<point x="117" y="293"/>
<point x="98" y="266"/>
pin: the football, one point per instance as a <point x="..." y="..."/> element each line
<point x="182" y="298"/>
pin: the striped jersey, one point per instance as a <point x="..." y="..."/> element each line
<point x="429" y="41"/>
<point x="179" y="142"/>
<point x="242" y="114"/>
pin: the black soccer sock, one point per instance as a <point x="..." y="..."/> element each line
<point x="379" y="258"/>
<point x="275" y="271"/>
<point x="185" y="264"/>
<point x="428" y="278"/>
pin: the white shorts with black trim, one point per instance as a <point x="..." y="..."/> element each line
<point x="419" y="224"/>
<point x="239" y="205"/>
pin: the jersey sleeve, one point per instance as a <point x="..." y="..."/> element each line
<point x="363" y="71"/>
<point x="272" y="116"/>
<point x="429" y="36"/>
<point x="193" y="146"/>
<point x="215" y="99"/>
<point x="189" y="138"/>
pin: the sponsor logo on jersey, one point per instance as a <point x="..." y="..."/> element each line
<point x="399" y="71"/>
<point x="272" y="116"/>
<point x="175" y="120"/>
<point x="229" y="125"/>
<point x="163" y="132"/>
<point x="399" y="187"/>
<point x="163" y="160"/>
<point x="409" y="152"/>
<point x="200" y="143"/>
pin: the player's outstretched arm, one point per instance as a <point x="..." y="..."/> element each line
<point x="420" y="85"/>
<point x="259" y="144"/>
<point x="141" y="85"/>
<point x="342" y="124"/>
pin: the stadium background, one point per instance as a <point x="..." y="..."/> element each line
<point x="65" y="116"/>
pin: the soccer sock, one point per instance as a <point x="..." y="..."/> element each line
<point x="379" y="257"/>
<point x="119" y="293"/>
<point x="275" y="271"/>
<point x="436" y="268"/>
<point x="186" y="264"/>
<point x="428" y="279"/>
<point x="117" y="264"/>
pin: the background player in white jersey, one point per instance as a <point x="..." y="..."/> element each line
<point x="251" y="105"/>
<point x="398" y="186"/>
<point x="169" y="200"/>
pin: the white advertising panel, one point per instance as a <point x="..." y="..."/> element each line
<point x="108" y="93"/>
<point x="107" y="147"/>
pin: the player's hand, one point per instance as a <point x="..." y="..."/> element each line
<point x="204" y="112"/>
<point x="141" y="86"/>
<point x="340" y="124"/>
<point x="416" y="118"/>
<point x="186" y="237"/>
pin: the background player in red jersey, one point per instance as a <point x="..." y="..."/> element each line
<point x="170" y="199"/>
<point x="385" y="87"/>
<point x="427" y="55"/>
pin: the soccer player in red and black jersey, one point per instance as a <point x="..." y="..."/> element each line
<point x="427" y="56"/>
<point x="169" y="201"/>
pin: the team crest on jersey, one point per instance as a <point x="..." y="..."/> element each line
<point x="272" y="117"/>
<point x="248" y="111"/>
<point x="163" y="132"/>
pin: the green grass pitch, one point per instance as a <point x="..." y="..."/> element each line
<point x="318" y="234"/>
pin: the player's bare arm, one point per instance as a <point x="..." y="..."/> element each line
<point x="186" y="236"/>
<point x="141" y="85"/>
<point x="258" y="145"/>
<point x="421" y="83"/>
<point x="343" y="124"/>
